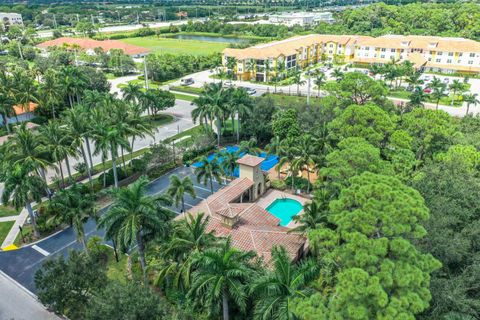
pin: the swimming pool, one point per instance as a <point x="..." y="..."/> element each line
<point x="285" y="209"/>
<point x="267" y="164"/>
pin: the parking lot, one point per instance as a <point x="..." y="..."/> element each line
<point x="22" y="264"/>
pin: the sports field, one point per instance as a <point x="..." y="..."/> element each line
<point x="176" y="46"/>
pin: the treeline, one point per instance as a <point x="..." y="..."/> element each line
<point x="452" y="20"/>
<point x="164" y="67"/>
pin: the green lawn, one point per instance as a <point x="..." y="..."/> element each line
<point x="183" y="96"/>
<point x="177" y="46"/>
<point x="5" y="229"/>
<point x="117" y="270"/>
<point x="7" y="211"/>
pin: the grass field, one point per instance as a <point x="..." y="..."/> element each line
<point x="176" y="46"/>
<point x="5" y="229"/>
<point x="7" y="211"/>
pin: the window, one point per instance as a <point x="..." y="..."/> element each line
<point x="382" y="56"/>
<point x="472" y="55"/>
<point x="439" y="53"/>
<point x="460" y="54"/>
<point x="438" y="60"/>
<point x="383" y="49"/>
<point x="392" y="50"/>
<point x="459" y="61"/>
<point x="470" y="62"/>
<point x="331" y="45"/>
<point x="450" y="54"/>
<point x="429" y="59"/>
<point x="339" y="45"/>
<point x="449" y="61"/>
<point x="367" y="48"/>
<point x="330" y="51"/>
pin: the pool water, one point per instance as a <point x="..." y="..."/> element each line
<point x="285" y="209"/>
<point x="267" y="164"/>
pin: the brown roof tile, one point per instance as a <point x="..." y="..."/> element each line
<point x="249" y="160"/>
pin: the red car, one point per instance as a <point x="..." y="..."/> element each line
<point x="427" y="90"/>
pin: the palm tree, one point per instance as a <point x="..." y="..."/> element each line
<point x="414" y="79"/>
<point x="115" y="137"/>
<point x="207" y="171"/>
<point x="213" y="102"/>
<point x="6" y="109"/>
<point x="320" y="80"/>
<point x="312" y="218"/>
<point x="133" y="215"/>
<point x="297" y="79"/>
<point x="338" y="74"/>
<point x="456" y="86"/>
<point x="74" y="206"/>
<point x="276" y="289"/>
<point x="438" y="92"/>
<point x="249" y="146"/>
<point x="279" y="72"/>
<point x="21" y="188"/>
<point x="177" y="189"/>
<point x="417" y="97"/>
<point x="51" y="90"/>
<point x="287" y="156"/>
<point x="274" y="148"/>
<point x="190" y="237"/>
<point x="58" y="144"/>
<point x="470" y="99"/>
<point x="305" y="156"/>
<point x="229" y="162"/>
<point x="28" y="150"/>
<point x="251" y="67"/>
<point x="221" y="278"/>
<point x="267" y="69"/>
<point x="132" y="93"/>
<point x="138" y="126"/>
<point x="241" y="105"/>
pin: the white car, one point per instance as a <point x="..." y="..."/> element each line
<point x="187" y="81"/>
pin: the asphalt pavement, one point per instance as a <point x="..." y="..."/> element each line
<point x="21" y="264"/>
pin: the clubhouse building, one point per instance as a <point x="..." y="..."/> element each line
<point x="437" y="54"/>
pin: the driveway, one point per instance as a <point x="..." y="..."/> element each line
<point x="22" y="264"/>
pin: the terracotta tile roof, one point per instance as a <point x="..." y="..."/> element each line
<point x="86" y="43"/>
<point x="249" y="160"/>
<point x="255" y="228"/>
<point x="19" y="109"/>
<point x="221" y="198"/>
<point x="423" y="42"/>
<point x="289" y="46"/>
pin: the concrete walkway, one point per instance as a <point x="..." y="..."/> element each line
<point x="9" y="218"/>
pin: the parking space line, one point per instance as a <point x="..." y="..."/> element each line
<point x="201" y="188"/>
<point x="42" y="251"/>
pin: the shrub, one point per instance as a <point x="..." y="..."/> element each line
<point x="299" y="183"/>
<point x="279" y="185"/>
<point x="194" y="153"/>
<point x="161" y="170"/>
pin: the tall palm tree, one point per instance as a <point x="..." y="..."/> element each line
<point x="114" y="136"/>
<point x="312" y="218"/>
<point x="213" y="102"/>
<point x="297" y="79"/>
<point x="338" y="74"/>
<point x="27" y="149"/>
<point x="251" y="67"/>
<point x="274" y="148"/>
<point x="241" y="105"/>
<point x="138" y="126"/>
<point x="190" y="237"/>
<point x="229" y="162"/>
<point x="177" y="189"/>
<point x="267" y="69"/>
<point x="305" y="155"/>
<point x="132" y="93"/>
<point x="221" y="278"/>
<point x="58" y="145"/>
<point x="470" y="99"/>
<point x="287" y="155"/>
<point x="207" y="171"/>
<point x="21" y="188"/>
<point x="276" y="289"/>
<point x="74" y="206"/>
<point x="456" y="86"/>
<point x="6" y="109"/>
<point x="133" y="215"/>
<point x="417" y="97"/>
<point x="320" y="80"/>
<point x="51" y="89"/>
<point x="249" y="146"/>
<point x="438" y="92"/>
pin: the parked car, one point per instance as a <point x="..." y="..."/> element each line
<point x="427" y="90"/>
<point x="187" y="81"/>
<point x="446" y="80"/>
<point x="426" y="78"/>
<point x="250" y="91"/>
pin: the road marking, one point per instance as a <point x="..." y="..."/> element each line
<point x="201" y="188"/>
<point x="44" y="252"/>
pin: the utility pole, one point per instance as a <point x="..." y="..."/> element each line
<point x="91" y="17"/>
<point x="145" y="71"/>
<point x="54" y="21"/>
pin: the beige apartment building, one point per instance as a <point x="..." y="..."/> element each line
<point x="437" y="54"/>
<point x="260" y="62"/>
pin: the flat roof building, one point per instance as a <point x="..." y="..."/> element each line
<point x="301" y="18"/>
<point x="10" y="18"/>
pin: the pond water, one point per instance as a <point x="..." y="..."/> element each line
<point x="209" y="39"/>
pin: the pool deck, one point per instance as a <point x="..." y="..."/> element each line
<point x="272" y="195"/>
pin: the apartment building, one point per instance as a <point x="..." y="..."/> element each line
<point x="9" y="19"/>
<point x="437" y="54"/>
<point x="262" y="61"/>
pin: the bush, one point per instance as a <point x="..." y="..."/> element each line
<point x="299" y="183"/>
<point x="109" y="178"/>
<point x="139" y="165"/>
<point x="194" y="153"/>
<point x="279" y="185"/>
<point x="161" y="170"/>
